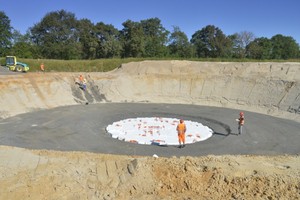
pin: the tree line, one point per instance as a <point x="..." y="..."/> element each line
<point x="60" y="35"/>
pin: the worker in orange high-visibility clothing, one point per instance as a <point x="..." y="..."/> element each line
<point x="42" y="66"/>
<point x="81" y="78"/>
<point x="181" y="129"/>
<point x="241" y="122"/>
<point x="82" y="82"/>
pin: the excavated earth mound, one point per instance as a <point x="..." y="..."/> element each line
<point x="40" y="174"/>
<point x="268" y="88"/>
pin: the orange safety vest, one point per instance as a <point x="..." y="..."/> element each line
<point x="81" y="78"/>
<point x="241" y="121"/>
<point x="181" y="128"/>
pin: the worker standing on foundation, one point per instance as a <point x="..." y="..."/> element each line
<point x="181" y="129"/>
<point x="241" y="122"/>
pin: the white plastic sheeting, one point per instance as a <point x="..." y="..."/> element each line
<point x="157" y="131"/>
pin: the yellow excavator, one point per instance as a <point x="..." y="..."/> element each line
<point x="13" y="65"/>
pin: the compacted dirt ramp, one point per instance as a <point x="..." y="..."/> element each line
<point x="267" y="89"/>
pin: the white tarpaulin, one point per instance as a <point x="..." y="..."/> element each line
<point x="157" y="130"/>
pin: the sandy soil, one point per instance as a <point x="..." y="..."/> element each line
<point x="38" y="174"/>
<point x="270" y="88"/>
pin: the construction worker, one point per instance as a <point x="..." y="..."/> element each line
<point x="241" y="121"/>
<point x="81" y="82"/>
<point x="83" y="85"/>
<point x="81" y="79"/>
<point x="42" y="67"/>
<point x="181" y="129"/>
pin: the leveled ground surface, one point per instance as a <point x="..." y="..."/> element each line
<point x="83" y="128"/>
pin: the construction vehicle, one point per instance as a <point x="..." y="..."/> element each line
<point x="13" y="65"/>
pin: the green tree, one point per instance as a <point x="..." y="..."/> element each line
<point x="5" y="33"/>
<point x="132" y="38"/>
<point x="239" y="43"/>
<point x="260" y="48"/>
<point x="87" y="38"/>
<point x="284" y="47"/>
<point x="22" y="46"/>
<point x="211" y="42"/>
<point x="57" y="36"/>
<point x="109" y="45"/>
<point x="179" y="44"/>
<point x="156" y="37"/>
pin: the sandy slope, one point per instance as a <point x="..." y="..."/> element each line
<point x="29" y="174"/>
<point x="270" y="88"/>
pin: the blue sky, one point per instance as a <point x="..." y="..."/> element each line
<point x="265" y="18"/>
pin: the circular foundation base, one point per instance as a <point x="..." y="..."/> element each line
<point x="157" y="131"/>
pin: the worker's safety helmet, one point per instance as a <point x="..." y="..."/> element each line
<point x="241" y="114"/>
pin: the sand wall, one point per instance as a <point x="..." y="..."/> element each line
<point x="270" y="88"/>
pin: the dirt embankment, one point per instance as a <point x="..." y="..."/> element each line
<point x="77" y="175"/>
<point x="269" y="88"/>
